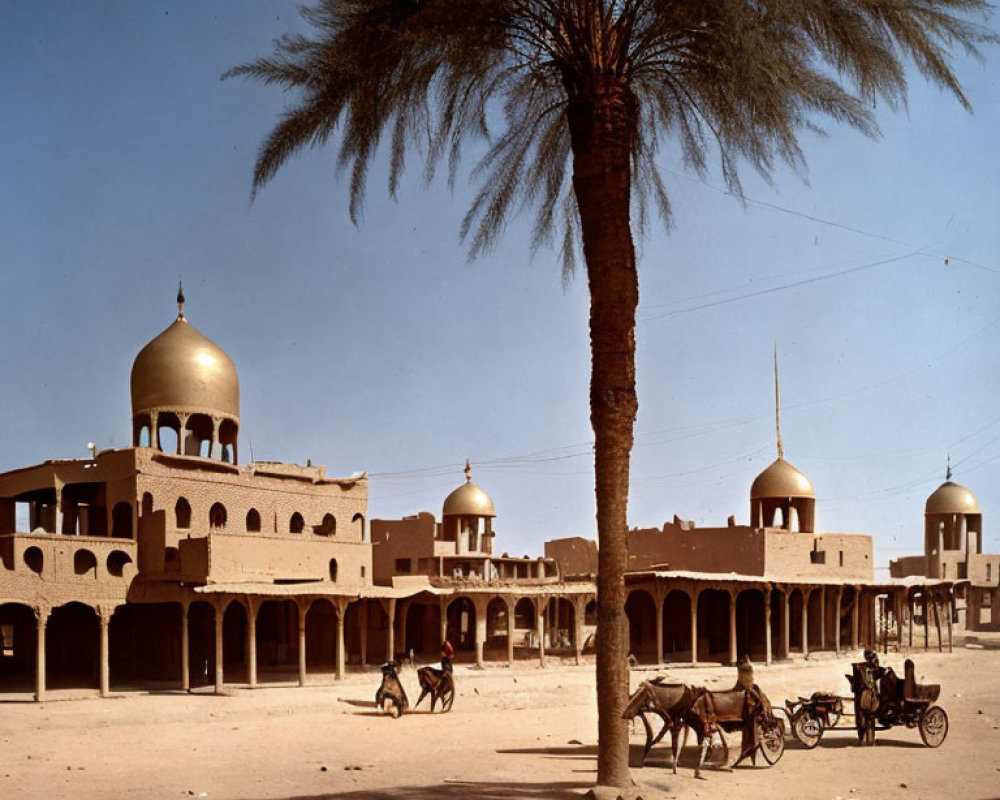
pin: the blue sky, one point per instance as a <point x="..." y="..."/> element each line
<point x="125" y="164"/>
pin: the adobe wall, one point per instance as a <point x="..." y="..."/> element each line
<point x="410" y="537"/>
<point x="574" y="555"/>
<point x="845" y="556"/>
<point x="239" y="557"/>
<point x="737" y="549"/>
<point x="906" y="566"/>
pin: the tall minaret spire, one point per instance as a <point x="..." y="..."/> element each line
<point x="180" y="300"/>
<point x="777" y="405"/>
<point x="947" y="474"/>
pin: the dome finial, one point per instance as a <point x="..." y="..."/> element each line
<point x="777" y="405"/>
<point x="468" y="472"/>
<point x="947" y="474"/>
<point x="180" y="300"/>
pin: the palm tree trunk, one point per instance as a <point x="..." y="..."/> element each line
<point x="602" y="120"/>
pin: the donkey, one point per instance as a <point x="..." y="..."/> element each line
<point x="671" y="702"/>
<point x="438" y="683"/>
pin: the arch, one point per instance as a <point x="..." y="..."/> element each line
<point x="713" y="625"/>
<point x="117" y="560"/>
<point x="561" y="619"/>
<point x="121" y="521"/>
<point x="217" y="516"/>
<point x="423" y="628"/>
<point x="815" y="613"/>
<point x="227" y="440"/>
<point x="182" y="513"/>
<point x="525" y="629"/>
<point x="85" y="562"/>
<point x="234" y="642"/>
<point x="277" y="639"/>
<point x="201" y="643"/>
<point x="640" y="608"/>
<point x="253" y="521"/>
<point x="751" y="631"/>
<point x="18" y="647"/>
<point x="333" y="570"/>
<point x="168" y="432"/>
<point x="461" y="625"/>
<point x="496" y="626"/>
<point x="677" y="626"/>
<point x="72" y="647"/>
<point x="147" y="504"/>
<point x="34" y="559"/>
<point x="144" y="642"/>
<point x="328" y="527"/>
<point x="296" y="524"/>
<point x="377" y="633"/>
<point x="358" y="522"/>
<point x="795" y="601"/>
<point x="198" y="436"/>
<point x="321" y="636"/>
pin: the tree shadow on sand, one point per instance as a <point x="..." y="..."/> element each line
<point x="454" y="790"/>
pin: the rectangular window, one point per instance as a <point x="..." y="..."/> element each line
<point x="944" y="570"/>
<point x="841" y="558"/>
<point x="989" y="572"/>
<point x="362" y="571"/>
<point x="402" y="566"/>
<point x="817" y="556"/>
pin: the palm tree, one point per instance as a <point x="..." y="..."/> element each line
<point x="597" y="85"/>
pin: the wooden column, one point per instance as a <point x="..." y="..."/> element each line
<point x="659" y="600"/>
<point x="855" y="613"/>
<point x="105" y="655"/>
<point x="836" y="620"/>
<point x="768" y="656"/>
<point x="185" y="650"/>
<point x="937" y="621"/>
<point x="822" y="618"/>
<point x="805" y="622"/>
<point x="42" y="619"/>
<point x="390" y="645"/>
<point x="927" y="630"/>
<point x="694" y="626"/>
<point x="510" y="633"/>
<point x="733" y="655"/>
<point x="251" y="643"/>
<point x="540" y="628"/>
<point x="219" y="676"/>
<point x="341" y="660"/>
<point x="303" y="609"/>
<point x="579" y="610"/>
<point x="951" y="605"/>
<point x="786" y="641"/>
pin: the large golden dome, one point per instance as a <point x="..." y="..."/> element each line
<point x="468" y="500"/>
<point x="182" y="370"/>
<point x="781" y="479"/>
<point x="950" y="498"/>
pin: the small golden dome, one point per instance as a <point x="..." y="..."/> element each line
<point x="468" y="500"/>
<point x="182" y="370"/>
<point x="950" y="498"/>
<point x="781" y="479"/>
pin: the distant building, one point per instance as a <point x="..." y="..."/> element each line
<point x="953" y="550"/>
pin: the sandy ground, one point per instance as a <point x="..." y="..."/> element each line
<point x="521" y="733"/>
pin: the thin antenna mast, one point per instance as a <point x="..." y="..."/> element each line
<point x="777" y="405"/>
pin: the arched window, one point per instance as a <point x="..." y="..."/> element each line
<point x="359" y="520"/>
<point x="329" y="526"/>
<point x="217" y="516"/>
<point x="297" y="524"/>
<point x="121" y="521"/>
<point x="34" y="559"/>
<point x="253" y="521"/>
<point x="117" y="561"/>
<point x="182" y="512"/>
<point x="333" y="570"/>
<point x="84" y="562"/>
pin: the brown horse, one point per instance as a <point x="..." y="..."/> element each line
<point x="439" y="684"/>
<point x="670" y="702"/>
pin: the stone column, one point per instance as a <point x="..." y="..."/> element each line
<point x="390" y="645"/>
<point x="42" y="618"/>
<point x="182" y="420"/>
<point x="219" y="655"/>
<point x="768" y="657"/>
<point x="909" y="609"/>
<point x="786" y="635"/>
<point x="363" y="622"/>
<point x="836" y="617"/>
<point x="154" y="430"/>
<point x="444" y="619"/>
<point x="216" y="423"/>
<point x="733" y="655"/>
<point x="58" y="523"/>
<point x="251" y="643"/>
<point x="822" y="618"/>
<point x="579" y="611"/>
<point x="805" y="622"/>
<point x="105" y="656"/>
<point x="510" y="633"/>
<point x="185" y="650"/>
<point x="854" y="617"/>
<point x="302" y="644"/>
<point x="927" y="630"/>
<point x="694" y="626"/>
<point x="480" y="631"/>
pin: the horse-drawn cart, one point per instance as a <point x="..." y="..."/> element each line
<point x="880" y="701"/>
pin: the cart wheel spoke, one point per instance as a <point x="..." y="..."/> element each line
<point x="808" y="730"/>
<point x="772" y="740"/>
<point x="933" y="726"/>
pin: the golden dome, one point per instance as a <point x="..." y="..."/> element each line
<point x="468" y="500"/>
<point x="950" y="498"/>
<point x="781" y="479"/>
<point x="182" y="370"/>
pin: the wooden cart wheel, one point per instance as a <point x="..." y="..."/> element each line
<point x="934" y="726"/>
<point x="772" y="741"/>
<point x="806" y="729"/>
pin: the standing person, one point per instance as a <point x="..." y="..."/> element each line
<point x="447" y="653"/>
